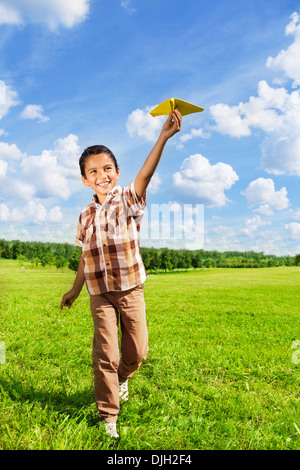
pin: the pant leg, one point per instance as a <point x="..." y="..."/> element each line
<point x="134" y="342"/>
<point x="108" y="367"/>
<point x="105" y="357"/>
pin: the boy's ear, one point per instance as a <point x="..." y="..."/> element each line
<point x="85" y="182"/>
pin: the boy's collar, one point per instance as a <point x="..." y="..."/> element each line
<point x="113" y="192"/>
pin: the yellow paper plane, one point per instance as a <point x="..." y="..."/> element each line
<point x="169" y="105"/>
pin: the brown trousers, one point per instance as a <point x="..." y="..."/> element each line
<point x="108" y="367"/>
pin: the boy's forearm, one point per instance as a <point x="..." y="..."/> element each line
<point x="171" y="126"/>
<point x="79" y="279"/>
<point x="151" y="162"/>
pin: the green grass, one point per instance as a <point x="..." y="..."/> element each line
<point x="219" y="374"/>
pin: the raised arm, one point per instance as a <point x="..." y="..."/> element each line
<point x="170" y="127"/>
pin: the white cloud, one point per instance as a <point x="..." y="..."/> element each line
<point x="67" y="152"/>
<point x="229" y="120"/>
<point x="193" y="133"/>
<point x="16" y="189"/>
<point x="275" y="111"/>
<point x="45" y="172"/>
<point x="281" y="152"/>
<point x="55" y="215"/>
<point x="251" y="225"/>
<point x="54" y="173"/>
<point x="294" y="230"/>
<point x="4" y="213"/>
<point x="154" y="183"/>
<point x="32" y="213"/>
<point x="141" y="123"/>
<point x="3" y="168"/>
<point x="8" y="98"/>
<point x="288" y="60"/>
<point x="34" y="111"/>
<point x="266" y="112"/>
<point x="262" y="192"/>
<point x="8" y="14"/>
<point x="52" y="170"/>
<point x="264" y="209"/>
<point x="223" y="231"/>
<point x="2" y="91"/>
<point x="269" y="235"/>
<point x="296" y="214"/>
<point x="198" y="179"/>
<point x="10" y="152"/>
<point x="52" y="12"/>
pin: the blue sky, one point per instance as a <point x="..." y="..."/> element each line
<point x="76" y="73"/>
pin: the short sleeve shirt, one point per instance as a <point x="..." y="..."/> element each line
<point x="109" y="236"/>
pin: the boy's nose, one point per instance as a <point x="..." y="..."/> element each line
<point x="100" y="176"/>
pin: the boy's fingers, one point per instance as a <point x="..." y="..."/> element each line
<point x="177" y="118"/>
<point x="64" y="303"/>
<point x="177" y="115"/>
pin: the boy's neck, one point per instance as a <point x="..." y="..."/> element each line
<point x="100" y="199"/>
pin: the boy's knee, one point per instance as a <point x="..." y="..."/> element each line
<point x="138" y="357"/>
<point x="106" y="364"/>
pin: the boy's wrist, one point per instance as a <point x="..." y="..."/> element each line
<point x="163" y="138"/>
<point x="75" y="291"/>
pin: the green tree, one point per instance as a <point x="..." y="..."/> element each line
<point x="165" y="259"/>
<point x="146" y="257"/>
<point x="16" y="249"/>
<point x="74" y="261"/>
<point x="154" y="259"/>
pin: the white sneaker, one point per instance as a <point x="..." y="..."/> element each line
<point x="111" y="430"/>
<point x="123" y="391"/>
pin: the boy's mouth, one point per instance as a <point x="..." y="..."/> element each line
<point x="104" y="184"/>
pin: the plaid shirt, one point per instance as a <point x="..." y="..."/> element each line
<point x="109" y="237"/>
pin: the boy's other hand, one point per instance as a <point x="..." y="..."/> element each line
<point x="68" y="299"/>
<point x="172" y="124"/>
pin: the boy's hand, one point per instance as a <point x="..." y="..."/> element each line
<point x="172" y="124"/>
<point x="68" y="299"/>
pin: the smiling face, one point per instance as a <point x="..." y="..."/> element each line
<point x="100" y="174"/>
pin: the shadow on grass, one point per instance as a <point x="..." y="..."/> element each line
<point x="60" y="400"/>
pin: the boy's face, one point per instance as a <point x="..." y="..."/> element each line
<point x="100" y="174"/>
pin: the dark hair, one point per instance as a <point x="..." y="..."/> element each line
<point x="95" y="150"/>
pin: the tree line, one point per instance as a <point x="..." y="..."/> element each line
<point x="155" y="259"/>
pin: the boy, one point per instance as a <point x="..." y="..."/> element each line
<point x="112" y="267"/>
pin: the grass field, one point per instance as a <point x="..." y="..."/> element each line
<point x="219" y="374"/>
